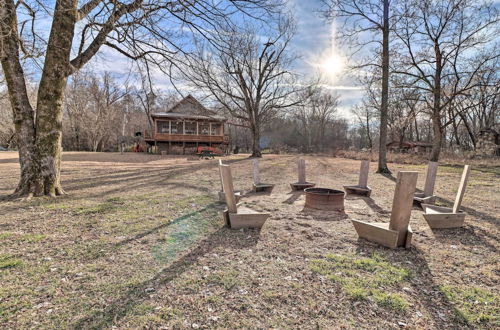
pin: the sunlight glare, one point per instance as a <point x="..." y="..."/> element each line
<point x="332" y="65"/>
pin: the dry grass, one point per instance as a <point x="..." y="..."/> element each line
<point x="139" y="243"/>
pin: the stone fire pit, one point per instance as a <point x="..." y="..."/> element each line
<point x="325" y="199"/>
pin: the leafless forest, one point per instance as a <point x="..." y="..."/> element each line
<point x="429" y="71"/>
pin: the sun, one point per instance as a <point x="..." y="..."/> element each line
<point x="332" y="65"/>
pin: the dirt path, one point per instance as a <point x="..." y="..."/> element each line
<point x="139" y="242"/>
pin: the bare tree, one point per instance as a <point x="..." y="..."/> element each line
<point x="248" y="76"/>
<point x="446" y="44"/>
<point x="152" y="30"/>
<point x="358" y="18"/>
<point x="315" y="112"/>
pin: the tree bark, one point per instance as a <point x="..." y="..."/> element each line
<point x="255" y="142"/>
<point x="22" y="111"/>
<point x="436" y="111"/>
<point x="382" y="154"/>
<point x="51" y="96"/>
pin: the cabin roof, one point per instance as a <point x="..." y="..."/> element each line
<point x="174" y="115"/>
<point x="189" y="108"/>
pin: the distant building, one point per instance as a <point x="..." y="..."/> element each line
<point x="488" y="143"/>
<point x="185" y="127"/>
<point x="410" y="147"/>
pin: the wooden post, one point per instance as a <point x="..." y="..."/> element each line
<point x="220" y="175"/>
<point x="302" y="170"/>
<point x="227" y="181"/>
<point x="430" y="179"/>
<point x="363" y="173"/>
<point x="461" y="189"/>
<point x="256" y="174"/>
<point x="402" y="204"/>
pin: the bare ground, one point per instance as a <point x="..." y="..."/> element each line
<point x="138" y="242"/>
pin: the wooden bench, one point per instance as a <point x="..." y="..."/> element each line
<point x="235" y="216"/>
<point x="361" y="188"/>
<point x="446" y="217"/>
<point x="257" y="185"/>
<point x="222" y="194"/>
<point x="302" y="183"/>
<point x="427" y="197"/>
<point x="397" y="232"/>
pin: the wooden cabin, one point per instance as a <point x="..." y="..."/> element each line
<point x="187" y="126"/>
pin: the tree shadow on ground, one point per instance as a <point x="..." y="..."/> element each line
<point x="211" y="206"/>
<point x="294" y="195"/>
<point x="119" y="308"/>
<point x="133" y="179"/>
<point x="424" y="287"/>
<point x="371" y="204"/>
<point x="467" y="235"/>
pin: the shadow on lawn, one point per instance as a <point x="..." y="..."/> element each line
<point x="130" y="180"/>
<point x="424" y="288"/>
<point x="119" y="308"/>
<point x="294" y="195"/>
<point x="468" y="235"/>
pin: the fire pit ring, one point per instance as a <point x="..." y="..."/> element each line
<point x="325" y="199"/>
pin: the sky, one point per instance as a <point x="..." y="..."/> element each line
<point x="313" y="43"/>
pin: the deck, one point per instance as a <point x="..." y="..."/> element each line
<point x="159" y="137"/>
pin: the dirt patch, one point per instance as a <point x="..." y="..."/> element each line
<point x="139" y="242"/>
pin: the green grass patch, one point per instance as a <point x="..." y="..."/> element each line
<point x="8" y="261"/>
<point x="226" y="279"/>
<point x="5" y="235"/>
<point x="32" y="238"/>
<point x="365" y="278"/>
<point x="111" y="204"/>
<point x="474" y="306"/>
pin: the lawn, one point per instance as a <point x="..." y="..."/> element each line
<point x="139" y="242"/>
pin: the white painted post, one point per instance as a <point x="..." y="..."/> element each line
<point x="461" y="189"/>
<point x="256" y="174"/>
<point x="402" y="204"/>
<point x="227" y="181"/>
<point x="302" y="170"/>
<point x="363" y="173"/>
<point x="430" y="178"/>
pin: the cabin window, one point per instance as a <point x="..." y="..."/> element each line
<point x="216" y="129"/>
<point x="176" y="127"/>
<point x="190" y="127"/>
<point x="203" y="128"/>
<point x="162" y="126"/>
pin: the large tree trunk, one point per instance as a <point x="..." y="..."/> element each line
<point x="382" y="154"/>
<point x="51" y="96"/>
<point x="436" y="111"/>
<point x="437" y="138"/>
<point x="22" y="111"/>
<point x="255" y="141"/>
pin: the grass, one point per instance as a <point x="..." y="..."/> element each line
<point x="145" y="248"/>
<point x="474" y="306"/>
<point x="365" y="278"/>
<point x="26" y="238"/>
<point x="226" y="279"/>
<point x="8" y="261"/>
